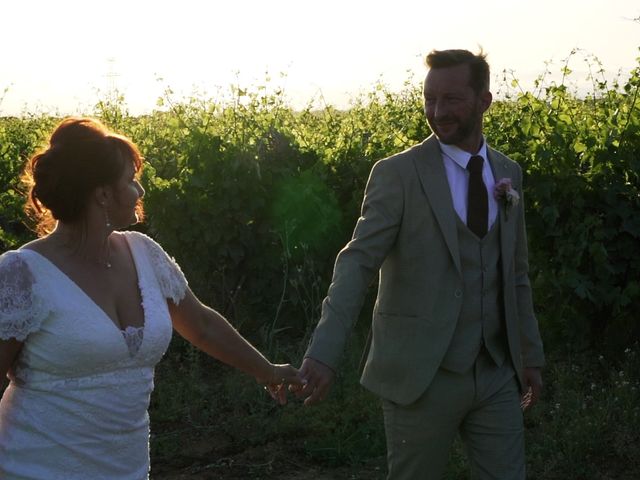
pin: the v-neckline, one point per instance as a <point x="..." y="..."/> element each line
<point x="91" y="300"/>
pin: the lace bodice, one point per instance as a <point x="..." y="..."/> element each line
<point x="80" y="387"/>
<point x="24" y="300"/>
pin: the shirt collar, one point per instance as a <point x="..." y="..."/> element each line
<point x="461" y="157"/>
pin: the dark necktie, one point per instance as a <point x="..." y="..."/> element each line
<point x="477" y="206"/>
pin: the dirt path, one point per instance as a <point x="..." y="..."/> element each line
<point x="268" y="462"/>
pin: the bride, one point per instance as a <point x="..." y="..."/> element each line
<point x="86" y="312"/>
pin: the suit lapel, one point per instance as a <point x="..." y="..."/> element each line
<point x="507" y="219"/>
<point x="434" y="182"/>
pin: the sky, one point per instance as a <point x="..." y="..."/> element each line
<point x="63" y="56"/>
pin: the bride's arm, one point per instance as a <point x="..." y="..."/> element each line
<point x="212" y="333"/>
<point x="9" y="350"/>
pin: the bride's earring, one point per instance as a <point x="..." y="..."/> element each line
<point x="107" y="222"/>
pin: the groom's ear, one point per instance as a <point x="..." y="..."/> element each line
<point x="485" y="100"/>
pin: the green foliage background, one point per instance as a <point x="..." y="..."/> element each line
<point x="254" y="199"/>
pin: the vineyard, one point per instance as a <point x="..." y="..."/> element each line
<point x="254" y="199"/>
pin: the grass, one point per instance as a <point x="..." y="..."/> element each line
<point x="586" y="427"/>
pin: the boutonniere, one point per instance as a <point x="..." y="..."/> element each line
<point x="504" y="192"/>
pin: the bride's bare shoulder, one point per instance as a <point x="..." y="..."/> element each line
<point x="39" y="245"/>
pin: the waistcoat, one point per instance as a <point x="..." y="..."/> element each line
<point x="481" y="320"/>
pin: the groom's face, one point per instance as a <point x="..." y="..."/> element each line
<point x="453" y="109"/>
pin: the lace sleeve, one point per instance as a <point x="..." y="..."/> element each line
<point x="22" y="308"/>
<point x="172" y="281"/>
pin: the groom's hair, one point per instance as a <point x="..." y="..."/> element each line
<point x="478" y="66"/>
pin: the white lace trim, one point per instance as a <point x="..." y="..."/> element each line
<point x="133" y="337"/>
<point x="173" y="283"/>
<point x="22" y="308"/>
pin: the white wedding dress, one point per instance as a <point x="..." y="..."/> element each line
<point x="76" y="405"/>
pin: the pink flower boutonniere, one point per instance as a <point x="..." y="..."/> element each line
<point x="505" y="193"/>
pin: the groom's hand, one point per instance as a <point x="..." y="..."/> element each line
<point x="281" y="376"/>
<point x="317" y="378"/>
<point x="533" y="384"/>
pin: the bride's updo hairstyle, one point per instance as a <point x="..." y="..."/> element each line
<point x="82" y="155"/>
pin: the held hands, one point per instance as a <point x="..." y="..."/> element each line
<point x="281" y="375"/>
<point x="316" y="381"/>
<point x="311" y="383"/>
<point x="533" y="384"/>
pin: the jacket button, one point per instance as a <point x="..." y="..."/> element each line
<point x="458" y="293"/>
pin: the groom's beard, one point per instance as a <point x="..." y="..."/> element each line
<point x="453" y="130"/>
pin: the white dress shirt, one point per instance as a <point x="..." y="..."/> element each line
<point x="455" y="164"/>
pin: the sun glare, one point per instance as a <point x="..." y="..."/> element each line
<point x="64" y="55"/>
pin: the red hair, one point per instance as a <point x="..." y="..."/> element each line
<point x="82" y="155"/>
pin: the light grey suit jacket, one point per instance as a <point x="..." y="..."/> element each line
<point x="407" y="232"/>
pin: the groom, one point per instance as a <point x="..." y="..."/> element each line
<point x="455" y="343"/>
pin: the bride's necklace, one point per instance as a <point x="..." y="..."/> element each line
<point x="103" y="263"/>
<point x="103" y="260"/>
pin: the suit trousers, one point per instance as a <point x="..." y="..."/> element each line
<point x="482" y="405"/>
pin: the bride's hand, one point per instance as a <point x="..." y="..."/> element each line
<point x="281" y="376"/>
